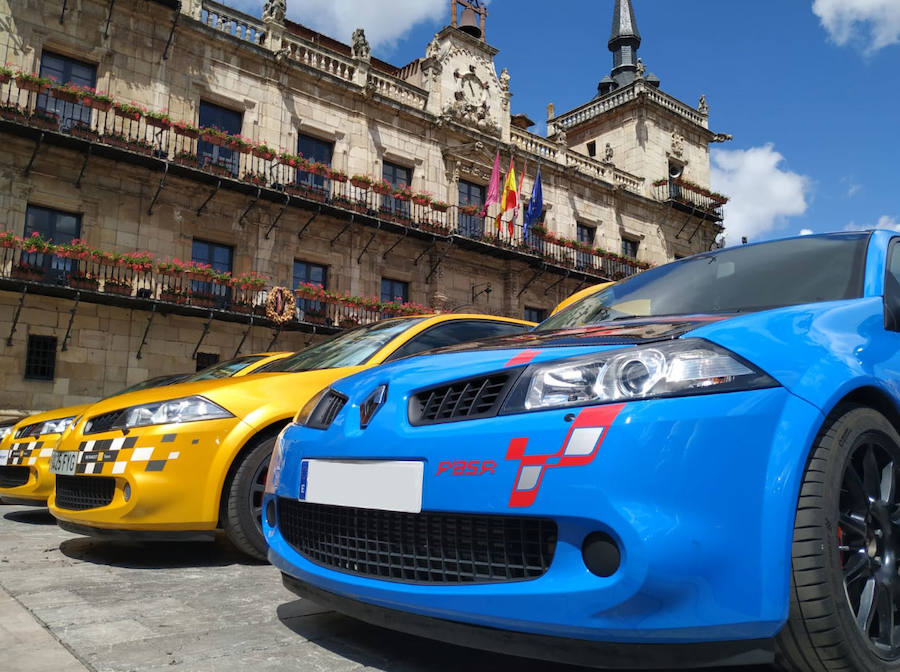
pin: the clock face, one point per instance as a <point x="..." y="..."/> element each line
<point x="472" y="89"/>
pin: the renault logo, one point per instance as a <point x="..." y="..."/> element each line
<point x="370" y="406"/>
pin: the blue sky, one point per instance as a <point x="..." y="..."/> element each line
<point x="808" y="88"/>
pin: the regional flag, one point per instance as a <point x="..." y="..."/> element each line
<point x="493" y="193"/>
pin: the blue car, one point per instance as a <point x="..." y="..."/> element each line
<point x="696" y="466"/>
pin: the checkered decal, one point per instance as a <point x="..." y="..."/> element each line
<point x="24" y="454"/>
<point x="110" y="456"/>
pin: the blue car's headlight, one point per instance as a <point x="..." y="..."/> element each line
<point x="670" y="369"/>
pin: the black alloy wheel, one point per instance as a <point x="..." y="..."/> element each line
<point x="844" y="595"/>
<point x="243" y="505"/>
<point x="258" y="490"/>
<point x="868" y="538"/>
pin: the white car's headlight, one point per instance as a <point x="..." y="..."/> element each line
<point x="670" y="369"/>
<point x="186" y="409"/>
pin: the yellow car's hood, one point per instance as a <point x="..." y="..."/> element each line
<point x="257" y="400"/>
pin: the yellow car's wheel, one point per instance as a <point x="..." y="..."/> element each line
<point x="244" y="504"/>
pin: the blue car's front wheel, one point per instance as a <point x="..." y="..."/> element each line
<point x="845" y="584"/>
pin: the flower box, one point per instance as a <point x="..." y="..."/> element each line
<point x="218" y="140"/>
<point x="5" y="77"/>
<point x="127" y="112"/>
<point x="439" y="206"/>
<point x="63" y="94"/>
<point x="114" y="288"/>
<point x="262" y="154"/>
<point x="158" y="123"/>
<point x="187" y="131"/>
<point x="313" y="318"/>
<point x="99" y="105"/>
<point x="244" y="308"/>
<point x="361" y="184"/>
<point x="171" y="297"/>
<point x="84" y="283"/>
<point x="26" y="273"/>
<point x="28" y="84"/>
<point x="85" y="133"/>
<point x="202" y="301"/>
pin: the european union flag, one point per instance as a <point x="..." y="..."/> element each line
<point x="535" y="205"/>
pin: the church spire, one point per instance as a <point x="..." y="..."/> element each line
<point x="624" y="41"/>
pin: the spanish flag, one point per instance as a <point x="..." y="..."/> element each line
<point x="510" y="198"/>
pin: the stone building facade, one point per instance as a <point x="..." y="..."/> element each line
<point x="624" y="176"/>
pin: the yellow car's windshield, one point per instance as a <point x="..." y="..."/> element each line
<point x="352" y="348"/>
<point x="224" y="369"/>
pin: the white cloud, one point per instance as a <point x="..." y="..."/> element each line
<point x="762" y="194"/>
<point x="871" y="24"/>
<point x="887" y="222"/>
<point x="806" y="232"/>
<point x="384" y="23"/>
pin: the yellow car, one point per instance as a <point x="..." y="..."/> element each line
<point x="26" y="448"/>
<point x="181" y="462"/>
<point x="577" y="296"/>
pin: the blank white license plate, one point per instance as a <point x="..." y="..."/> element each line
<point x="63" y="462"/>
<point x="364" y="484"/>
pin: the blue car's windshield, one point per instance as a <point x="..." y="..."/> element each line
<point x="734" y="280"/>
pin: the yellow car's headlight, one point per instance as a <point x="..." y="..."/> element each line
<point x="55" y="426"/>
<point x="186" y="409"/>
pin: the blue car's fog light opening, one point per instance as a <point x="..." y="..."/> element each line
<point x="270" y="513"/>
<point x="601" y="554"/>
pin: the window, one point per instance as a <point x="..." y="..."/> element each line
<point x="225" y="120"/>
<point x="471" y="194"/>
<point x="40" y="358"/>
<point x="535" y="314"/>
<point x="394" y="289"/>
<point x="305" y="271"/>
<point x="630" y="248"/>
<point x="399" y="177"/>
<point x="60" y="227"/>
<point x="64" y="70"/>
<point x="220" y="257"/>
<point x="451" y="333"/>
<point x="313" y="149"/>
<point x="206" y="360"/>
<point x="585" y="235"/>
<point x="592" y="149"/>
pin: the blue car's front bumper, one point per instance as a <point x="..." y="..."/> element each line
<point x="699" y="493"/>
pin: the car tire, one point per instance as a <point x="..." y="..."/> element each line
<point x="844" y="596"/>
<point x="243" y="512"/>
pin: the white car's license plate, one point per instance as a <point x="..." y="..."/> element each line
<point x="364" y="484"/>
<point x="63" y="462"/>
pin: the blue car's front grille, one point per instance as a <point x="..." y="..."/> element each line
<point x="434" y="548"/>
<point x="467" y="399"/>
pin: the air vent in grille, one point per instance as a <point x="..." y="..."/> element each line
<point x="102" y="423"/>
<point x="461" y="400"/>
<point x="12" y="477"/>
<point x="326" y="410"/>
<point x="425" y="547"/>
<point x="78" y="493"/>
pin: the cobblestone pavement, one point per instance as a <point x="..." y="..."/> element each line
<point x="104" y="607"/>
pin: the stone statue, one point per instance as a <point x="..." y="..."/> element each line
<point x="703" y="106"/>
<point x="722" y="137"/>
<point x="608" y="154"/>
<point x="360" y="47"/>
<point x="504" y="80"/>
<point x="561" y="136"/>
<point x="641" y="68"/>
<point x="434" y="49"/>
<point x="274" y="10"/>
<point x="551" y="110"/>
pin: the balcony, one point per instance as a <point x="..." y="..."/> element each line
<point x="691" y="198"/>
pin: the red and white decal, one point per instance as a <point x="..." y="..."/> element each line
<point x="523" y="357"/>
<point x="580" y="448"/>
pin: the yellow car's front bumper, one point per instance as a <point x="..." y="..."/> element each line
<point x="158" y="478"/>
<point x="25" y="470"/>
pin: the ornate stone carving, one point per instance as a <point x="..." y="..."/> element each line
<point x="608" y="153"/>
<point x="434" y="48"/>
<point x="722" y="137"/>
<point x="703" y="107"/>
<point x="360" y="46"/>
<point x="677" y="143"/>
<point x="561" y="137"/>
<point x="504" y="80"/>
<point x="274" y="11"/>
